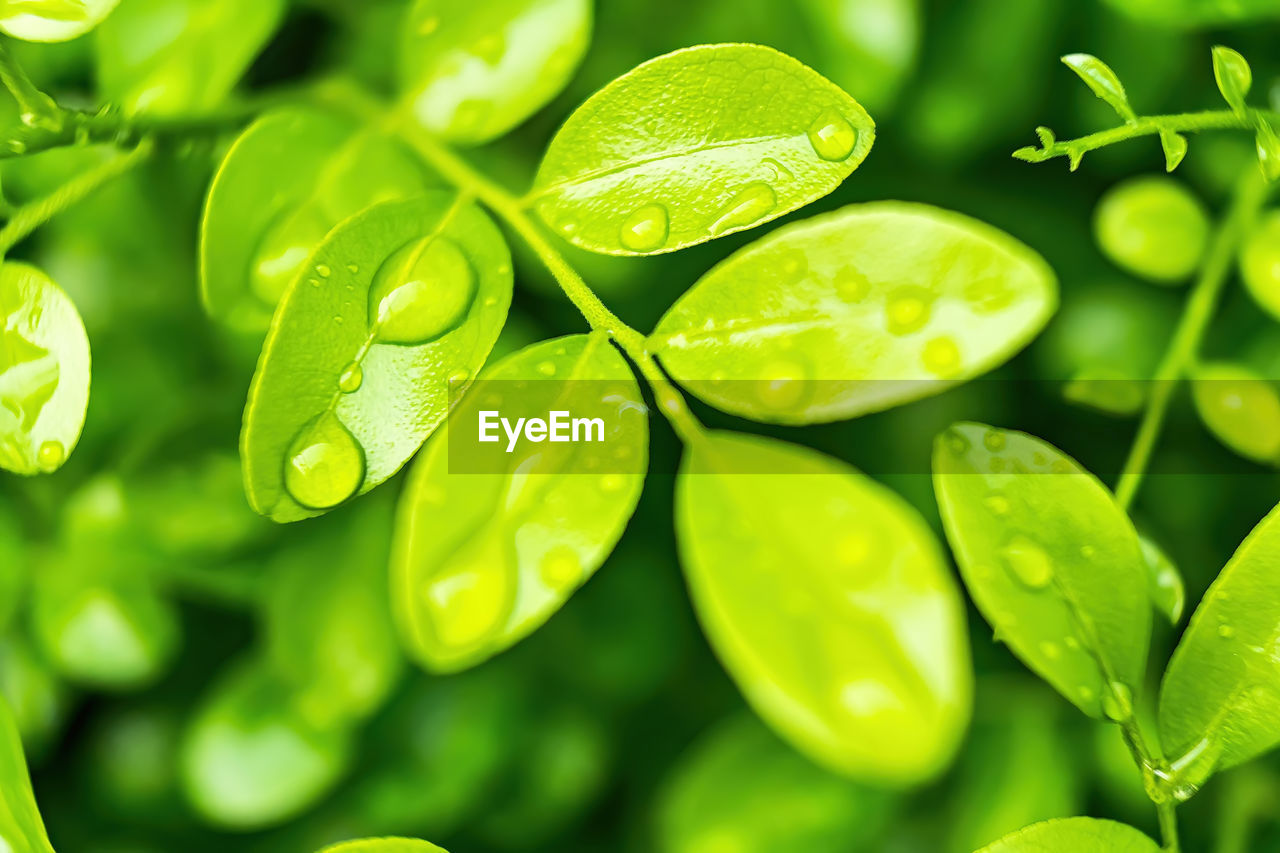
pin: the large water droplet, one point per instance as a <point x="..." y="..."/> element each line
<point x="560" y="567"/>
<point x="421" y="292"/>
<point x="50" y="455"/>
<point x="941" y="356"/>
<point x="997" y="503"/>
<point x="907" y="310"/>
<point x="955" y="441"/>
<point x="782" y="384"/>
<point x="470" y="598"/>
<point x="284" y="250"/>
<point x="1028" y="562"/>
<point x="1226" y="632"/>
<point x="753" y="203"/>
<point x="351" y="378"/>
<point x="645" y="229"/>
<point x="1117" y="701"/>
<point x="831" y="136"/>
<point x="325" y="463"/>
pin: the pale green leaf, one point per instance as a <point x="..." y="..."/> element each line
<point x="384" y="845"/>
<point x="683" y="149"/>
<point x="1075" y="835"/>
<point x="791" y="555"/>
<point x="52" y="20"/>
<point x="1175" y="148"/>
<point x="1051" y="561"/>
<point x="855" y="311"/>
<point x="1240" y="407"/>
<point x="1164" y="581"/>
<point x="400" y="305"/>
<point x="740" y="788"/>
<point x="44" y="371"/>
<point x="21" y="829"/>
<point x="1154" y="227"/>
<point x="289" y="178"/>
<point x="485" y="553"/>
<point x="472" y="71"/>
<point x="1220" y="698"/>
<point x="328" y="616"/>
<point x="249" y="759"/>
<point x="1099" y="77"/>
<point x="177" y="57"/>
<point x="1260" y="263"/>
<point x="1234" y="77"/>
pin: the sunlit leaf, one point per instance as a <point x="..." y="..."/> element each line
<point x="21" y="829"/>
<point x="1074" y="835"/>
<point x="1099" y="77"/>
<point x="1234" y="77"/>
<point x="52" y="20"/>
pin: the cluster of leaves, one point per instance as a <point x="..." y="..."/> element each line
<point x="344" y="235"/>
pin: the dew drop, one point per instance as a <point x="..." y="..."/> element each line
<point x="458" y="378"/>
<point x="325" y="464"/>
<point x="782" y="384"/>
<point x="1028" y="562"/>
<point x="907" y="310"/>
<point x="851" y="285"/>
<point x="998" y="504"/>
<point x="323" y="270"/>
<point x="956" y="442"/>
<point x="560" y="567"/>
<point x="1088" y="552"/>
<point x="993" y="440"/>
<point x="645" y="229"/>
<point x="547" y="368"/>
<point x="1050" y="649"/>
<point x="351" y="378"/>
<point x="50" y="455"/>
<point x="421" y="292"/>
<point x="1117" y="701"/>
<point x="831" y="136"/>
<point x="1226" y="632"/>
<point x="753" y="203"/>
<point x="941" y="356"/>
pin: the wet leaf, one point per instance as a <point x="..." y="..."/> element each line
<point x="400" y="305"/>
<point x="855" y="311"/>
<point x="1220" y="697"/>
<point x="290" y="177"/>
<point x="1099" y="77"/>
<point x="1051" y="561"/>
<point x="44" y="372"/>
<point x="180" y="56"/>
<point x="485" y="553"/>
<point x="52" y="20"/>
<point x="791" y="556"/>
<point x="1268" y="145"/>
<point x="473" y="71"/>
<point x="1075" y="835"/>
<point x="1241" y="408"/>
<point x="1164" y="581"/>
<point x="384" y="845"/>
<point x="1234" y="77"/>
<point x="740" y="788"/>
<point x="659" y="160"/>
<point x="21" y="829"/>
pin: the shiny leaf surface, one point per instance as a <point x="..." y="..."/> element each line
<point x="1075" y="835"/>
<point x="52" y="20"/>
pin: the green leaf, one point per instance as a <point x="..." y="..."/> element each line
<point x="1164" y="581"/>
<point x="1154" y="227"/>
<point x="1241" y="408"/>
<point x="21" y="829"/>
<point x="1175" y="148"/>
<point x="739" y="788"/>
<point x="1234" y="77"/>
<point x="52" y="20"/>
<point x="328" y="616"/>
<point x="37" y="697"/>
<point x="1268" y="144"/>
<point x="683" y="149"/>
<point x="485" y="553"/>
<point x="1051" y="561"/>
<point x="473" y="71"/>
<point x="1099" y="77"/>
<point x="1075" y="835"/>
<point x="400" y="305"/>
<point x="384" y="845"/>
<point x="1260" y="263"/>
<point x="790" y="556"/>
<point x="1220" y="697"/>
<point x="288" y="179"/>
<point x="855" y="311"/>
<point x="175" y="57"/>
<point x="44" y="371"/>
<point x="249" y="759"/>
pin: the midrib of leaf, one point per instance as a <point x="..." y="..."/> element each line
<point x="804" y="322"/>
<point x="640" y="162"/>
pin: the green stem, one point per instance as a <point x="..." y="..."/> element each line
<point x="36" y="107"/>
<point x="1145" y="126"/>
<point x="1168" y="826"/>
<point x="508" y="208"/>
<point x="31" y="216"/>
<point x="1183" y="347"/>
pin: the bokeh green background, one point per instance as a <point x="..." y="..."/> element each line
<point x="612" y="728"/>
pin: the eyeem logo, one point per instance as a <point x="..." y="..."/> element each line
<point x="558" y="426"/>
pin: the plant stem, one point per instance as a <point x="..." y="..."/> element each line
<point x="1249" y="197"/>
<point x="508" y="208"/>
<point x="31" y="216"/>
<point x="1168" y="826"/>
<point x="1146" y="126"/>
<point x="36" y="107"/>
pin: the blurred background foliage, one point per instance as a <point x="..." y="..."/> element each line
<point x="188" y="676"/>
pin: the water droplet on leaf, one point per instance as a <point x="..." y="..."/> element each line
<point x="831" y="136"/>
<point x="746" y="208"/>
<point x="645" y="229"/>
<point x="351" y="378"/>
<point x="1028" y="562"/>
<point x="325" y="464"/>
<point x="50" y="455"/>
<point x="421" y="292"/>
